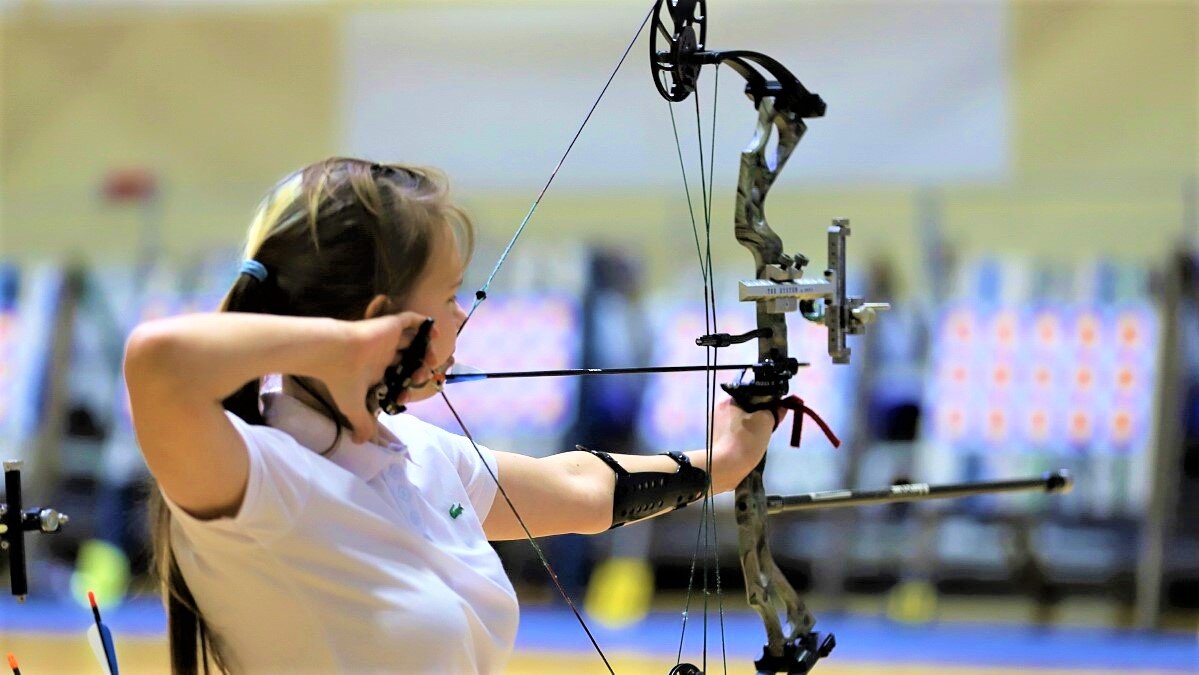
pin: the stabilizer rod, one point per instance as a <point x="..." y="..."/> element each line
<point x="1056" y="481"/>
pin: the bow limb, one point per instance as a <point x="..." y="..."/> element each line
<point x="784" y="615"/>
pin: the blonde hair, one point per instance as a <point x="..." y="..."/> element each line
<point x="331" y="236"/>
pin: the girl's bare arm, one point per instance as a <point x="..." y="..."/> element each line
<point x="178" y="371"/>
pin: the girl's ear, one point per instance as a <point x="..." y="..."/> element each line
<point x="379" y="306"/>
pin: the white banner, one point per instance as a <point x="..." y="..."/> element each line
<point x="915" y="91"/>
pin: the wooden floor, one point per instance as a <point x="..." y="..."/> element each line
<point x="55" y="655"/>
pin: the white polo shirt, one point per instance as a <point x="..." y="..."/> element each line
<point x="369" y="559"/>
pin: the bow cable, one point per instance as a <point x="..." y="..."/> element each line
<point x="707" y="532"/>
<point x="481" y="294"/>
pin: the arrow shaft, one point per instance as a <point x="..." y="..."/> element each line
<point x="579" y="372"/>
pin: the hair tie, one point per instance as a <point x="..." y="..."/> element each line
<point x="254" y="269"/>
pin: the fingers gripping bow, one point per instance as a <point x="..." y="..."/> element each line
<point x="399" y="378"/>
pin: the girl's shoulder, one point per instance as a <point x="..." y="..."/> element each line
<point x="422" y="437"/>
<point x="416" y="433"/>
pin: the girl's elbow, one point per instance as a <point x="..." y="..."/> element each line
<point x="598" y="508"/>
<point x="147" y="350"/>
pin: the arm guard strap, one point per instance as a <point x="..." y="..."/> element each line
<point x="641" y="495"/>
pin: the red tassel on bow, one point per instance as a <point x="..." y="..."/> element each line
<point x="796" y="404"/>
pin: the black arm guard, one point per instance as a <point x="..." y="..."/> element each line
<point x="641" y="495"/>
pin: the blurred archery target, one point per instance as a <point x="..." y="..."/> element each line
<point x="997" y="425"/>
<point x="1088" y="333"/>
<point x="1012" y="384"/>
<point x="1003" y="331"/>
<point x="1047" y="332"/>
<point x="1039" y="424"/>
<point x="953" y="421"/>
<point x="1126" y="379"/>
<point x="959" y="329"/>
<point x="676" y="404"/>
<point x="1084" y="378"/>
<point x="1133" y="329"/>
<point x="1124" y="425"/>
<point x="530" y="331"/>
<point x="7" y="334"/>
<point x="1044" y="379"/>
<point x="955" y="374"/>
<point x="1080" y="426"/>
<point x="1001" y="377"/>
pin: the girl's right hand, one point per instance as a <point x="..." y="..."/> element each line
<point x="371" y="346"/>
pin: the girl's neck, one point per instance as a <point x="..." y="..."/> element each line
<point x="297" y="391"/>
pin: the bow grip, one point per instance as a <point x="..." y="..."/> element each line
<point x="761" y="387"/>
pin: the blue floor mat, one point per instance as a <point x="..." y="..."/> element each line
<point x="860" y="639"/>
<point x="877" y="640"/>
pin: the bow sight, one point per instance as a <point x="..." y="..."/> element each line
<point x="15" y="521"/>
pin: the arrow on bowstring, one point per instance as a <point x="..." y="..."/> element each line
<point x="463" y="373"/>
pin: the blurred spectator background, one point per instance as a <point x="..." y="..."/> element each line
<point x="1022" y="182"/>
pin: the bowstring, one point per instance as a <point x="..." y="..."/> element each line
<point x="708" y="514"/>
<point x="707" y="532"/>
<point x="711" y="191"/>
<point x="481" y="295"/>
<point x="709" y="526"/>
<point x="703" y="271"/>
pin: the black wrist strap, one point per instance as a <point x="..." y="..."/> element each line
<point x="648" y="493"/>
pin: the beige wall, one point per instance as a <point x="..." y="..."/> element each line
<point x="1105" y="129"/>
<point x="220" y="105"/>
<point x="1104" y="98"/>
<point x="1106" y="87"/>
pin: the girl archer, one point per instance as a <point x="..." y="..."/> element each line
<point x="294" y="531"/>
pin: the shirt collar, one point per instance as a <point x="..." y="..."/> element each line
<point x="315" y="432"/>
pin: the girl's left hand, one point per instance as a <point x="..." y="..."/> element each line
<point x="742" y="435"/>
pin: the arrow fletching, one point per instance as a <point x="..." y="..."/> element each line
<point x="99" y="637"/>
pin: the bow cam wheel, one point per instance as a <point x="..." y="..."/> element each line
<point x="675" y="74"/>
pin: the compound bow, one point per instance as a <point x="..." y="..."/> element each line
<point x="677" y="52"/>
<point x="678" y="36"/>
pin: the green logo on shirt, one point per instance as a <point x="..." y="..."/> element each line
<point x="456" y="510"/>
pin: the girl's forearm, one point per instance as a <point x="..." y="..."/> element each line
<point x="727" y="467"/>
<point x="210" y="355"/>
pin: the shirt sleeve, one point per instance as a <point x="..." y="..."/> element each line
<point x="475" y="473"/>
<point x="479" y="475"/>
<point x="277" y="489"/>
